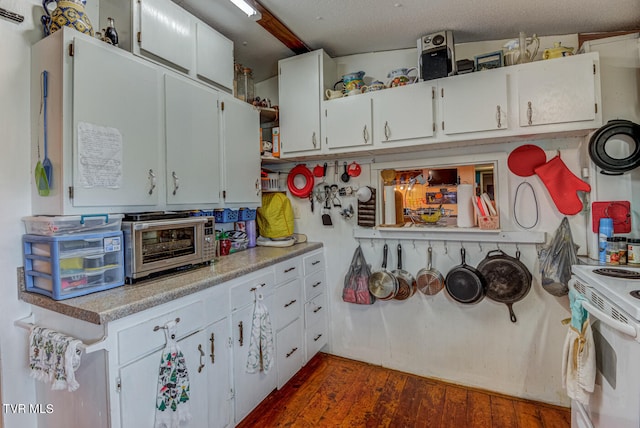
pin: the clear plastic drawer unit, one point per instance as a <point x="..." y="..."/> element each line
<point x="62" y="267"/>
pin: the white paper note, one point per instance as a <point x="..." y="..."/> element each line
<point x="99" y="156"/>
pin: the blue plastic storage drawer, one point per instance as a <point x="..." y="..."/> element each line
<point x="62" y="267"/>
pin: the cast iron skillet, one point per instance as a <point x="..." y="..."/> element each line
<point x="508" y="279"/>
<point x="464" y="283"/>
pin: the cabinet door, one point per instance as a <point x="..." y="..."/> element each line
<point x="316" y="329"/>
<point x="166" y="32"/>
<point x="557" y="91"/>
<point x="241" y="127"/>
<point x="299" y="95"/>
<point x="214" y="56"/>
<point x="139" y="385"/>
<point x="218" y="357"/>
<point x="116" y="126"/>
<point x="250" y="388"/>
<point x="347" y="122"/>
<point x="474" y="102"/>
<point x="192" y="142"/>
<point x="290" y="351"/>
<point x="403" y="114"/>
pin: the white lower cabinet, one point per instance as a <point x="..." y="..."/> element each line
<point x="119" y="386"/>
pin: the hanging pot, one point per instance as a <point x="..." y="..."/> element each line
<point x="307" y="188"/>
<point x="383" y="284"/>
<point x="508" y="279"/>
<point x="628" y="133"/>
<point x="465" y="283"/>
<point x="429" y="280"/>
<point x="406" y="282"/>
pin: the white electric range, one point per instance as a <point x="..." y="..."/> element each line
<point x="613" y="303"/>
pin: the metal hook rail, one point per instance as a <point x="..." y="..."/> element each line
<point x="88" y="348"/>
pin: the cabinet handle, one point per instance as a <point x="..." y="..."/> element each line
<point x="365" y="134"/>
<point x="152" y="181"/>
<point x="529" y="113"/>
<point x="258" y="189"/>
<point x="290" y="303"/>
<point x="241" y="340"/>
<point x="498" y="117"/>
<point x="317" y="309"/>
<point x="201" y="366"/>
<point x="313" y="140"/>
<point x="212" y="339"/>
<point x="290" y="269"/>
<point x="315" y="262"/>
<point x="387" y="131"/>
<point x="291" y="352"/>
<point x="176" y="182"/>
<point x="315" y="339"/>
<point x="252" y="289"/>
<point x="316" y="284"/>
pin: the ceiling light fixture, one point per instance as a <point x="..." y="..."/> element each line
<point x="248" y="9"/>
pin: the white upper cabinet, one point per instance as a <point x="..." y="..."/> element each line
<point x="192" y="142"/>
<point x="214" y="56"/>
<point x="474" y="102"/>
<point x="241" y="124"/>
<point x="166" y="31"/>
<point x="403" y="115"/>
<point x="348" y="123"/>
<point x="559" y="91"/>
<point x="301" y="84"/>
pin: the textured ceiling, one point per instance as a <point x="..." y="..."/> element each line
<point x="345" y="27"/>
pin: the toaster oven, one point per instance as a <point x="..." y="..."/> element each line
<point x="167" y="244"/>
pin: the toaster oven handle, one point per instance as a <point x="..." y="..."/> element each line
<point x="173" y="222"/>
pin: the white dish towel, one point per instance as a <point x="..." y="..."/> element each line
<point x="172" y="401"/>
<point x="54" y="357"/>
<point x="261" y="346"/>
<point x="579" y="363"/>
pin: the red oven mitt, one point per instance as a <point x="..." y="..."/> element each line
<point x="563" y="185"/>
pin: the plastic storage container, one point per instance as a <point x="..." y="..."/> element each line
<point x="68" y="225"/>
<point x="225" y="215"/>
<point x="245" y="214"/>
<point x="62" y="267"/>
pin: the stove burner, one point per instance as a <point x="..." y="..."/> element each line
<point x="618" y="273"/>
<point x="635" y="293"/>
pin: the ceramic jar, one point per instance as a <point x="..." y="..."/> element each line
<point x="373" y="86"/>
<point x="400" y="77"/>
<point x="68" y="13"/>
<point x="351" y="82"/>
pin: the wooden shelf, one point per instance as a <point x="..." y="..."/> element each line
<point x="268" y="114"/>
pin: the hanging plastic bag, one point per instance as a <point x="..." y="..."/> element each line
<point x="555" y="260"/>
<point x="356" y="282"/>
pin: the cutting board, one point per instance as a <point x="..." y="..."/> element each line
<point x="619" y="211"/>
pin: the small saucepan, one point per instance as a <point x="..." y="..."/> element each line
<point x="406" y="282"/>
<point x="508" y="279"/>
<point x="383" y="284"/>
<point x="465" y="283"/>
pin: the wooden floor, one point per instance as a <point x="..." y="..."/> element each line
<point x="336" y="392"/>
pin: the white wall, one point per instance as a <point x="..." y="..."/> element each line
<point x="15" y="188"/>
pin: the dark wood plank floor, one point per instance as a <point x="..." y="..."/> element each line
<point x="336" y="392"/>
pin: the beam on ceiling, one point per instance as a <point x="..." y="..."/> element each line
<point x="277" y="29"/>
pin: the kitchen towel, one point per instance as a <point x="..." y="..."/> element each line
<point x="54" y="357"/>
<point x="172" y="400"/>
<point x="261" y="346"/>
<point x="579" y="363"/>
<point x="465" y="205"/>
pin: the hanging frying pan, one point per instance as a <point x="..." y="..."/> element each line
<point x="354" y="169"/>
<point x="465" y="283"/>
<point x="304" y="191"/>
<point x="383" y="284"/>
<point x="429" y="280"/>
<point x="616" y="135"/>
<point x="406" y="282"/>
<point x="508" y="279"/>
